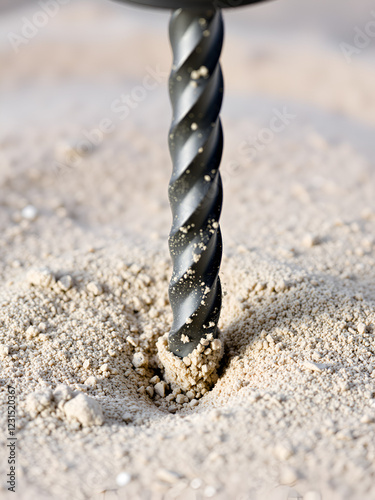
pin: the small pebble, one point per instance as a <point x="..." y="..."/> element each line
<point x="123" y="479"/>
<point x="361" y="328"/>
<point x="84" y="410"/>
<point x="31" y="332"/>
<point x="209" y="491"/>
<point x="180" y="399"/>
<point x="190" y="395"/>
<point x="288" y="475"/>
<point x="42" y="277"/>
<point x="196" y="483"/>
<point x="160" y="388"/>
<point x="187" y="361"/>
<point x="95" y="288"/>
<point x="216" y="344"/>
<point x="29" y="213"/>
<point x="4" y="350"/>
<point x="139" y="360"/>
<point x="315" y="367"/>
<point x="283" y="452"/>
<point x="168" y="476"/>
<point x="310" y="240"/>
<point x="150" y="391"/>
<point x="90" y="381"/>
<point x="65" y="282"/>
<point x="132" y="341"/>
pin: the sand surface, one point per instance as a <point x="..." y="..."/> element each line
<point x="84" y="264"/>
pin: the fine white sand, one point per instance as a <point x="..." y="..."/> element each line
<point x="84" y="264"/>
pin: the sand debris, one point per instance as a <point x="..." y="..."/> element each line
<point x="84" y="410"/>
<point x="42" y="277"/>
<point x="197" y="370"/>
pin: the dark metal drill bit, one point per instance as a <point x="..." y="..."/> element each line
<point x="195" y="189"/>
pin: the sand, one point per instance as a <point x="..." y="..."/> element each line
<point x="84" y="266"/>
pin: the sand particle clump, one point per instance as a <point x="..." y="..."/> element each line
<point x="75" y="406"/>
<point x="196" y="371"/>
<point x="84" y="410"/>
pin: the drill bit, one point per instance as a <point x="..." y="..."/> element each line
<point x="195" y="189"/>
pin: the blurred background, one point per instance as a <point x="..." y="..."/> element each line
<point x="84" y="143"/>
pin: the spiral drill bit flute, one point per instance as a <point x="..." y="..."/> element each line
<point x="195" y="189"/>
